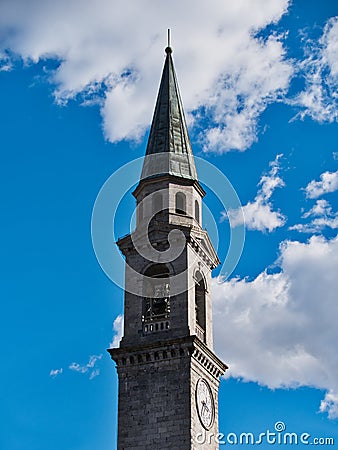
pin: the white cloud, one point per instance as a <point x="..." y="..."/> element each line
<point x="321" y="213"/>
<point x="328" y="183"/>
<point x="330" y="405"/>
<point x="319" y="100"/>
<point x="5" y="62"/>
<point x="95" y="373"/>
<point x="118" y="331"/>
<point x="316" y="225"/>
<point x="112" y="49"/>
<point x="259" y="214"/>
<point x="274" y="330"/>
<point x="55" y="372"/>
<point x="78" y="368"/>
<point x="87" y="368"/>
<point x="92" y="360"/>
<point x="322" y="217"/>
<point x="321" y="208"/>
<point x="243" y="91"/>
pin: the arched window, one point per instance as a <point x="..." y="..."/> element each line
<point x="200" y="300"/>
<point x="197" y="211"/>
<point x="180" y="203"/>
<point x="157" y="203"/>
<point x="156" y="306"/>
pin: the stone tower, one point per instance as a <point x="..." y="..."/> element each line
<point x="168" y="373"/>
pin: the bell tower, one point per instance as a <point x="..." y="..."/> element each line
<point x="168" y="373"/>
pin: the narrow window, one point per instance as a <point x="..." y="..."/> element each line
<point x="180" y="203"/>
<point x="200" y="300"/>
<point x="197" y="211"/>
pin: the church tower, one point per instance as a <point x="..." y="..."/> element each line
<point x="168" y="373"/>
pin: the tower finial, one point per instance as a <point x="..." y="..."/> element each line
<point x="168" y="49"/>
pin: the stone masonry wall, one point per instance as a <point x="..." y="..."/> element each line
<point x="154" y="402"/>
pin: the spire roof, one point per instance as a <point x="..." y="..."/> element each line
<point x="169" y="149"/>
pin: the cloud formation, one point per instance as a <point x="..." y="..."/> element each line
<point x="259" y="214"/>
<point x="319" y="99"/>
<point x="242" y="93"/>
<point x="321" y="216"/>
<point x="87" y="368"/>
<point x="55" y="372"/>
<point x="274" y="331"/>
<point x="118" y="331"/>
<point x="330" y="405"/>
<point x="109" y="52"/>
<point x="328" y="183"/>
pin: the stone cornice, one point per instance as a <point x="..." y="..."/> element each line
<point x="189" y="346"/>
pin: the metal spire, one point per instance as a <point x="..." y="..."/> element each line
<point x="169" y="139"/>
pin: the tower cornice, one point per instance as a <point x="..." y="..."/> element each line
<point x="170" y="179"/>
<point x="190" y="346"/>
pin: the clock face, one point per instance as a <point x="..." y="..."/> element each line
<point x="205" y="403"/>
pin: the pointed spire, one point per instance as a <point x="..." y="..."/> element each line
<point x="169" y="149"/>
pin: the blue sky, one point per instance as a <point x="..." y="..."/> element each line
<point x="78" y="82"/>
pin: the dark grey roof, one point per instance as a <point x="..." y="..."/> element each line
<point x="169" y="149"/>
